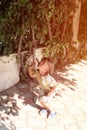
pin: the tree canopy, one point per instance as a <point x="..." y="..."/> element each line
<point x="34" y="23"/>
<point x="46" y="18"/>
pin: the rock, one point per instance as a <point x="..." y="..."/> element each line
<point x="9" y="71"/>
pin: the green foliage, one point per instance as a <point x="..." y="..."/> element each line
<point x="55" y="50"/>
<point x="50" y="20"/>
<point x="22" y="15"/>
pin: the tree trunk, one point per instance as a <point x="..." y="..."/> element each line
<point x="20" y="44"/>
<point x="76" y="20"/>
<point x="34" y="47"/>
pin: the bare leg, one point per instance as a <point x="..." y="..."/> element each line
<point x="45" y="104"/>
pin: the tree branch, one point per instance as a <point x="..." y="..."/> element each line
<point x="49" y="27"/>
<point x="34" y="46"/>
<point x="20" y="43"/>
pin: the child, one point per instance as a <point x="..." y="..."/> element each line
<point x="47" y="87"/>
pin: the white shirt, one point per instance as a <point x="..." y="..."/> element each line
<point x="49" y="80"/>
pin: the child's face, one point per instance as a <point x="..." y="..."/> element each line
<point x="43" y="69"/>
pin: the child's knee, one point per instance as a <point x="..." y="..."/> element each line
<point x="44" y="99"/>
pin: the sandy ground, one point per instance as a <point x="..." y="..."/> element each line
<point x="18" y="111"/>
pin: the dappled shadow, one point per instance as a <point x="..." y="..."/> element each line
<point x="8" y="106"/>
<point x="26" y="93"/>
<point x="12" y="99"/>
<point x="71" y="74"/>
<point x="3" y="127"/>
<point x="23" y="93"/>
<point x="9" y="101"/>
<point x="63" y="78"/>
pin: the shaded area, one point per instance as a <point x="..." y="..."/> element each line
<point x="62" y="77"/>
<point x="3" y="127"/>
<point x="9" y="102"/>
<point x="8" y="106"/>
<point x="64" y="80"/>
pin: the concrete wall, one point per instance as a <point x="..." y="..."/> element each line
<point x="9" y="71"/>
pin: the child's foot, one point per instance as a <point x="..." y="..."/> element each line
<point x="43" y="112"/>
<point x="52" y="115"/>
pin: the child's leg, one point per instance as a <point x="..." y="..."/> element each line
<point x="45" y="103"/>
<point x="48" y="109"/>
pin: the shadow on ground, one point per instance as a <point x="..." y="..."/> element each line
<point x="63" y="78"/>
<point x="9" y="104"/>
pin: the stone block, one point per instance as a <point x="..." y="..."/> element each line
<point x="9" y="71"/>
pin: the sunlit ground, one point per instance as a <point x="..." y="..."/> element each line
<point x="18" y="111"/>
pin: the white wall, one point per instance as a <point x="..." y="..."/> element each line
<point x="9" y="71"/>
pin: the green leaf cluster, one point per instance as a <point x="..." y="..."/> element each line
<point x="47" y="19"/>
